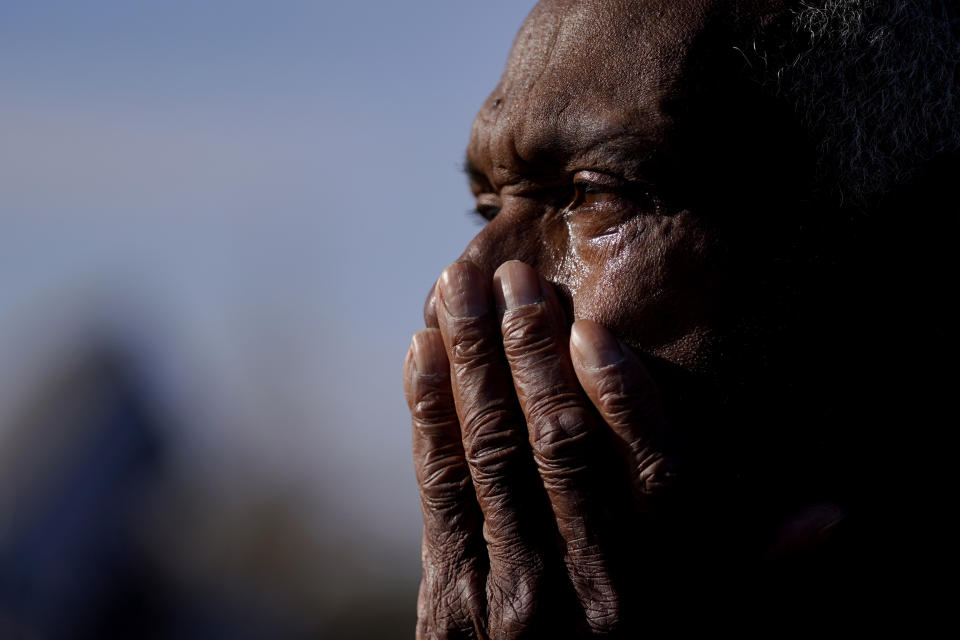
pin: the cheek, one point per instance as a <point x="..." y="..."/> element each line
<point x="651" y="281"/>
<point x="614" y="273"/>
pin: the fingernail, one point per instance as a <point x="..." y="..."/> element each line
<point x="516" y="285"/>
<point x="594" y="346"/>
<point x="428" y="354"/>
<point x="462" y="290"/>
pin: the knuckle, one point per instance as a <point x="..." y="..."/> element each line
<point x="491" y="437"/>
<point x="602" y="603"/>
<point x="513" y="599"/>
<point x="527" y="332"/>
<point x="434" y="412"/>
<point x="480" y="419"/>
<point x="453" y="549"/>
<point x="432" y="402"/>
<point x="447" y="499"/>
<point x="560" y="455"/>
<point x="444" y="473"/>
<point x="656" y="474"/>
<point x="623" y="402"/>
<point x="603" y="618"/>
<point x="451" y="600"/>
<point x="561" y="437"/>
<point x="471" y="345"/>
<point x="444" y="485"/>
<point x="552" y="403"/>
<point x="614" y="401"/>
<point x="512" y="557"/>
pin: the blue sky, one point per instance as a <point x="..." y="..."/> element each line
<point x="257" y="196"/>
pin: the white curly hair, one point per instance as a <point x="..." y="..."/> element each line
<point x="876" y="83"/>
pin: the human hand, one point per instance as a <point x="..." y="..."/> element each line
<point x="541" y="463"/>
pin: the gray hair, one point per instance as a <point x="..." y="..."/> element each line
<point x="876" y="83"/>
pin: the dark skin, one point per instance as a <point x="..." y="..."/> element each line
<point x="575" y="355"/>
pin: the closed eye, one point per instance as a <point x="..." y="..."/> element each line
<point x="488" y="206"/>
<point x="587" y="193"/>
<point x="595" y="189"/>
<point x="487" y="212"/>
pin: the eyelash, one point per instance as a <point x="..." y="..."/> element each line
<point x="486" y="212"/>
<point x="580" y="189"/>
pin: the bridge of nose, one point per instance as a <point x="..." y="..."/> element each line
<point x="512" y="235"/>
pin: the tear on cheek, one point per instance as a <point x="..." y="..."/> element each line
<point x="602" y="219"/>
<point x="592" y="227"/>
<point x="590" y="259"/>
<point x="601" y="244"/>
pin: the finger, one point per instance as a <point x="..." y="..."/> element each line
<point x="452" y="601"/>
<point x="429" y="308"/>
<point x="497" y="453"/>
<point x="567" y="443"/>
<point x="621" y="389"/>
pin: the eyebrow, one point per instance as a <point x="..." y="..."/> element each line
<point x="632" y="155"/>
<point x="473" y="173"/>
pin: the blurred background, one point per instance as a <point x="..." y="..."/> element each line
<point x="218" y="222"/>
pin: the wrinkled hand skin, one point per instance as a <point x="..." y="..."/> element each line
<point x="539" y="458"/>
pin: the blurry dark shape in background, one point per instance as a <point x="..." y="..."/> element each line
<point x="95" y="527"/>
<point x="77" y="464"/>
<point x="218" y="221"/>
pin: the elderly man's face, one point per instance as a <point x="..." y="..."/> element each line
<point x="628" y="159"/>
<point x="617" y="157"/>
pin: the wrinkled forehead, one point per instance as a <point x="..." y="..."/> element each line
<point x="581" y="70"/>
<point x="621" y="47"/>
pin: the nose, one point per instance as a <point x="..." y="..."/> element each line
<point x="476" y="252"/>
<point x="488" y="250"/>
<point x="507" y="237"/>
